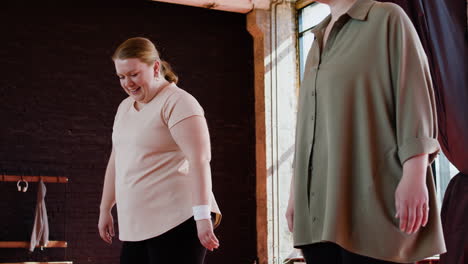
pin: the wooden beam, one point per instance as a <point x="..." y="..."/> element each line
<point x="303" y="3"/>
<point x="31" y="178"/>
<point x="25" y="244"/>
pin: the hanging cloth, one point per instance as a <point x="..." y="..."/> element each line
<point x="40" y="232"/>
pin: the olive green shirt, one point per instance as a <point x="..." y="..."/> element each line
<point x="366" y="105"/>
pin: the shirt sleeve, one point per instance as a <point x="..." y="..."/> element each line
<point x="180" y="106"/>
<point x="416" y="121"/>
<point x="118" y="114"/>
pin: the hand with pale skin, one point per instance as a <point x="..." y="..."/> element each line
<point x="192" y="137"/>
<point x="205" y="234"/>
<point x="106" y="226"/>
<point x="106" y="221"/>
<point x="290" y="209"/>
<point x="411" y="195"/>
<point x="290" y="216"/>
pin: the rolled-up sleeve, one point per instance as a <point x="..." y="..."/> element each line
<point x="416" y="122"/>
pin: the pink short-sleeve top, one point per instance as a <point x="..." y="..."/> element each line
<point x="152" y="185"/>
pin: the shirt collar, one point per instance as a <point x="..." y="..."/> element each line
<point x="358" y="11"/>
<point x="321" y="25"/>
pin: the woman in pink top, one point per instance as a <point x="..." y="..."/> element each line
<point x="158" y="173"/>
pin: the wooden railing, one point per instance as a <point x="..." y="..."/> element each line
<point x="25" y="244"/>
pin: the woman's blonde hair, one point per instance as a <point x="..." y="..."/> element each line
<point x="144" y="50"/>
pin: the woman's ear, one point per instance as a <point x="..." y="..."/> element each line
<point x="156" y="68"/>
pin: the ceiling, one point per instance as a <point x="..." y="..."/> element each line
<point x="238" y="6"/>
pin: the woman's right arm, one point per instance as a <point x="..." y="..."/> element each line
<point x="290" y="209"/>
<point x="106" y="221"/>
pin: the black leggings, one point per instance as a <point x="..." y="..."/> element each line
<point x="178" y="245"/>
<point x="331" y="253"/>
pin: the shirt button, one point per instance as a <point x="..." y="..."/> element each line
<point x="312" y="118"/>
<point x="314" y="219"/>
<point x="313" y="93"/>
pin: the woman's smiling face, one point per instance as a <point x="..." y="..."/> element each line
<point x="136" y="78"/>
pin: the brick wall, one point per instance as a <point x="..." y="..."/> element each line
<point x="59" y="94"/>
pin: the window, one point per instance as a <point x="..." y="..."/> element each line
<point x="309" y="17"/>
<point x="444" y="172"/>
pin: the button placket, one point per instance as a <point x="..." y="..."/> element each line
<point x="334" y="33"/>
<point x="313" y="98"/>
<point x="313" y="94"/>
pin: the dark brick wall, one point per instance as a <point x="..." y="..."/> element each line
<point x="58" y="97"/>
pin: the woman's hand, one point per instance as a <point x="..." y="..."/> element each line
<point x="290" y="209"/>
<point x="411" y="196"/>
<point x="206" y="234"/>
<point x="290" y="215"/>
<point x="106" y="226"/>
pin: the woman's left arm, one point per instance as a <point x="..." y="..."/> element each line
<point x="192" y="137"/>
<point x="415" y="120"/>
<point x="411" y="196"/>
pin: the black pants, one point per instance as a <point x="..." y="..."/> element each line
<point x="331" y="253"/>
<point x="178" y="245"/>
